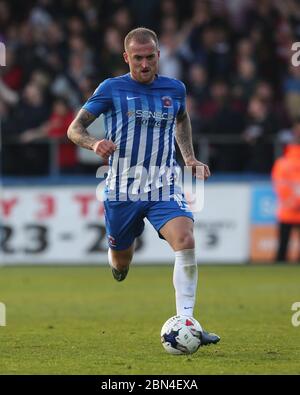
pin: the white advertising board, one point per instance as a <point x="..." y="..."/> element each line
<point x="222" y="228"/>
<point x="65" y="225"/>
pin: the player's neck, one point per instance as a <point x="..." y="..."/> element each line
<point x="140" y="82"/>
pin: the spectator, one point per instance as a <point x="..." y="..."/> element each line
<point x="197" y="125"/>
<point x="286" y="179"/>
<point x="55" y="128"/>
<point x="30" y="113"/>
<point x="122" y="21"/>
<point x="291" y="90"/>
<point x="244" y="51"/>
<point x="197" y="83"/>
<point x="57" y="47"/>
<point x="245" y="80"/>
<point x="261" y="128"/>
<point x="220" y="118"/>
<point x="266" y="93"/>
<point x="12" y="73"/>
<point x="169" y="64"/>
<point x="110" y="58"/>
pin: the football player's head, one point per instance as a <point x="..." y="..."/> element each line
<point x="142" y="54"/>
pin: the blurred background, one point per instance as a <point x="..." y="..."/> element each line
<point x="243" y="98"/>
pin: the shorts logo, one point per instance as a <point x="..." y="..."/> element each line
<point x="111" y="241"/>
<point x="180" y="201"/>
<point x="167" y="101"/>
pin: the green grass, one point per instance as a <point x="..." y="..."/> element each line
<point x="78" y="320"/>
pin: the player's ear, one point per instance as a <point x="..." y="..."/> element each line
<point x="158" y="54"/>
<point x="125" y="56"/>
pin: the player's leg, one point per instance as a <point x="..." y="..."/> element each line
<point x="175" y="225"/>
<point x="120" y="261"/>
<point x="174" y="222"/>
<point x="178" y="232"/>
<point x="123" y="224"/>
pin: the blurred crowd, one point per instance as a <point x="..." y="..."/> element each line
<point x="234" y="57"/>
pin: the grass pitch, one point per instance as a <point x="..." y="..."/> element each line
<point x="78" y="320"/>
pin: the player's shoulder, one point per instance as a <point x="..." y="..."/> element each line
<point x="118" y="79"/>
<point x="112" y="82"/>
<point x="174" y="82"/>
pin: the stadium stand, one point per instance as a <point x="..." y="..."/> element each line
<point x="234" y="56"/>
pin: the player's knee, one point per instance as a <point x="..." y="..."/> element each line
<point x="185" y="241"/>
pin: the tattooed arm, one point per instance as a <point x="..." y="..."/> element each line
<point x="184" y="137"/>
<point x="77" y="130"/>
<point x="185" y="142"/>
<point x="78" y="134"/>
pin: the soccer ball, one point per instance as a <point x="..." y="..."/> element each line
<point x="181" y="335"/>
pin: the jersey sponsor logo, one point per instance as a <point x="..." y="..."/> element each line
<point x="147" y="114"/>
<point x="132" y="97"/>
<point x="150" y="118"/>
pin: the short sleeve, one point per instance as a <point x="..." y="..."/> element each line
<point x="182" y="95"/>
<point x="101" y="100"/>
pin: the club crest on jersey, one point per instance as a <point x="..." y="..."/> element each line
<point x="167" y="101"/>
<point x="112" y="241"/>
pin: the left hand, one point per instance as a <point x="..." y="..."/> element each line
<point x="199" y="169"/>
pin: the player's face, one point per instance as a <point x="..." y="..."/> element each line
<point x="142" y="60"/>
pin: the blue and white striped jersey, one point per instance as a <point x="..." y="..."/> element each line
<point x="141" y="120"/>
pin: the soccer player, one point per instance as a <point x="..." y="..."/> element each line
<point x="144" y="113"/>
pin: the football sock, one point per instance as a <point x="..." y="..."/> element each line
<point x="185" y="276"/>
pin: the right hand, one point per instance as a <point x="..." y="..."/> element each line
<point x="104" y="148"/>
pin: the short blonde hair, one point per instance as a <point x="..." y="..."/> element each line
<point x="142" y="35"/>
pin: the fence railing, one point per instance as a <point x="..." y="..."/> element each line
<point x="203" y="143"/>
<point x="202" y="149"/>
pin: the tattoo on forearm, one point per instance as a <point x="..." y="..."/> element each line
<point x="77" y="130"/>
<point x="184" y="137"/>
